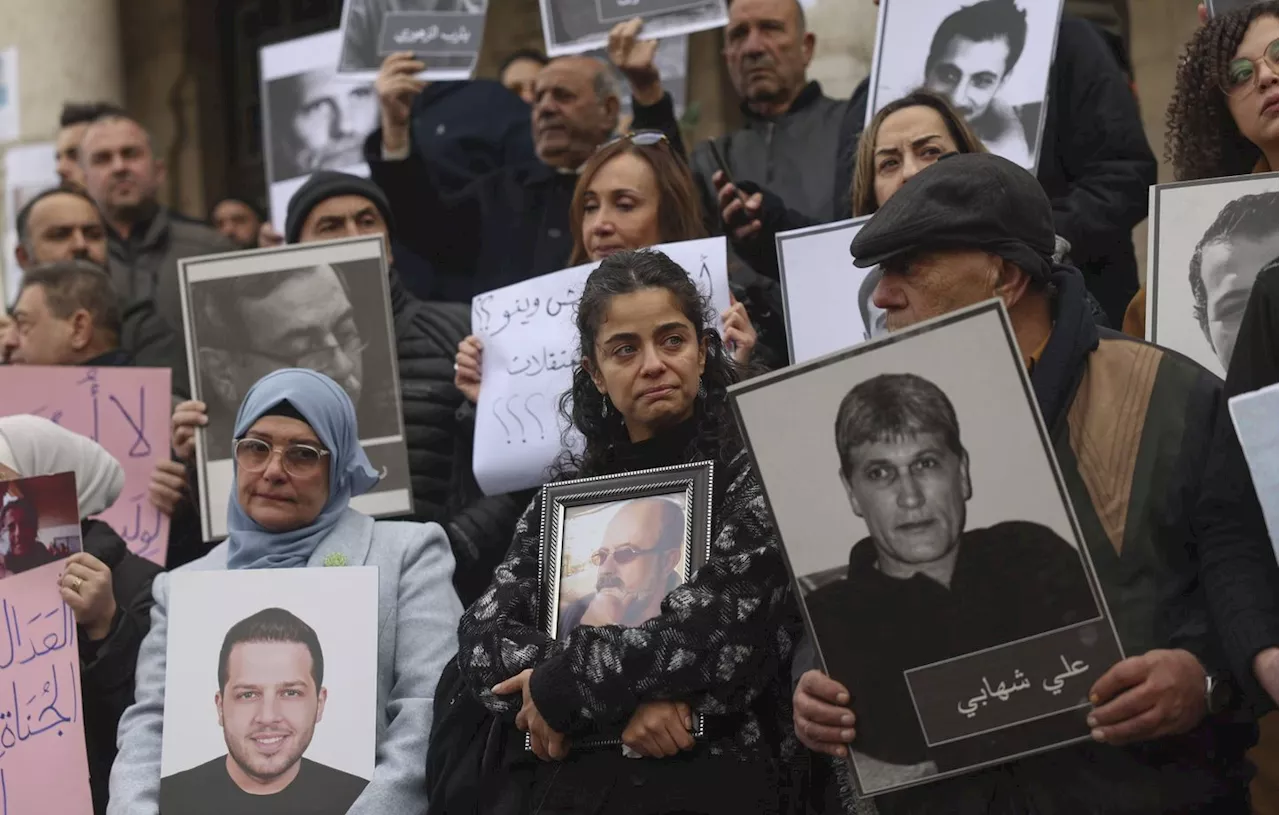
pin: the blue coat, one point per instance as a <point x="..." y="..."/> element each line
<point x="418" y="615"/>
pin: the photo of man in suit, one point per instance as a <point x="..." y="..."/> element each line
<point x="270" y="698"/>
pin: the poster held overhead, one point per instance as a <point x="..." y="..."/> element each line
<point x="323" y="306"/>
<point x="578" y="26"/>
<point x="942" y="574"/>
<point x="990" y="58"/>
<point x="444" y="34"/>
<point x="44" y="763"/>
<point x="530" y="353"/>
<point x="292" y="677"/>
<point x="126" y="410"/>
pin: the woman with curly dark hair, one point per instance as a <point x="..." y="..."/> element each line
<point x="1222" y="120"/>
<point x="651" y="391"/>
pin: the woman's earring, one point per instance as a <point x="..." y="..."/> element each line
<point x="702" y="389"/>
<point x="604" y="407"/>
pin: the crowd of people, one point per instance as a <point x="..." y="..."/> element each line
<point x="466" y="676"/>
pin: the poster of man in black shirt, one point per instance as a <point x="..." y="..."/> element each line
<point x="270" y="700"/>
<point x="943" y="579"/>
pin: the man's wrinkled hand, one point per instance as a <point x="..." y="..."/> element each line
<point x="1160" y="693"/>
<point x="659" y="729"/>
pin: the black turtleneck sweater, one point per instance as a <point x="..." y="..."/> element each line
<point x="722" y="642"/>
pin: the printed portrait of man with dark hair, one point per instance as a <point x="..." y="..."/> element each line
<point x="270" y="698"/>
<point x="319" y="121"/>
<point x="957" y="590"/>
<point x="1239" y="243"/>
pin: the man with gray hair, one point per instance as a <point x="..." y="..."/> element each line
<point x="512" y="224"/>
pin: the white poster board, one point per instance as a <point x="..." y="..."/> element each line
<point x="999" y="82"/>
<point x="819" y="284"/>
<point x="312" y="117"/>
<point x="1208" y="241"/>
<point x="530" y="353"/>
<point x="1256" y="417"/>
<point x="577" y="26"/>
<point x="28" y="169"/>
<point x="272" y="621"/>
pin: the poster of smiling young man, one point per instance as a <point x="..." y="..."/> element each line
<point x="1208" y="241"/>
<point x="323" y="306"/>
<point x="942" y="573"/>
<point x="991" y="58"/>
<point x="270" y="691"/>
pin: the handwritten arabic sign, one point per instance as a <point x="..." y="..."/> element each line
<point x="126" y="410"/>
<point x="1011" y="684"/>
<point x="530" y="350"/>
<point x="44" y="766"/>
<point x="431" y="33"/>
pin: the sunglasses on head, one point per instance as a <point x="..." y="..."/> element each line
<point x="1242" y="73"/>
<point x="640" y="138"/>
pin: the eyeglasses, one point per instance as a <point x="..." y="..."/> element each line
<point x="319" y="360"/>
<point x="299" y="460"/>
<point x="622" y="555"/>
<point x="640" y="138"/>
<point x="1242" y="73"/>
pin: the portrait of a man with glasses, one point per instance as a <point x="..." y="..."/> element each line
<point x="635" y="564"/>
<point x="318" y="317"/>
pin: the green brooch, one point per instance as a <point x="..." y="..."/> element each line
<point x="335" y="559"/>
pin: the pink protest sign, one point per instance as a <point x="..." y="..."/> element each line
<point x="44" y="764"/>
<point x="127" y="411"/>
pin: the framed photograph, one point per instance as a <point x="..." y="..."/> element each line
<point x="614" y="547"/>
<point x="578" y="26"/>
<point x="324" y="306"/>
<point x="313" y="118"/>
<point x="270" y="691"/>
<point x="819" y="281"/>
<point x="942" y="573"/>
<point x="991" y="58"/>
<point x="444" y="34"/>
<point x="1208" y="241"/>
<point x="39" y="521"/>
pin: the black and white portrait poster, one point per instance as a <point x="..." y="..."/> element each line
<point x="270" y="690"/>
<point x="578" y="26"/>
<point x="312" y="118"/>
<point x="819" y="281"/>
<point x="1209" y="239"/>
<point x="672" y="62"/>
<point x="991" y="58"/>
<point x="941" y="569"/>
<point x="324" y="306"/>
<point x="444" y="34"/>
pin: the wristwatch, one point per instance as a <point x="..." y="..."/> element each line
<point x="1217" y="693"/>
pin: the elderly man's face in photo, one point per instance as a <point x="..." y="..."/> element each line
<point x="970" y="74"/>
<point x="308" y="322"/>
<point x="911" y="491"/>
<point x="332" y="120"/>
<point x="269" y="708"/>
<point x="1228" y="269"/>
<point x="633" y="564"/>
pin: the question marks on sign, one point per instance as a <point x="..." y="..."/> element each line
<point x="541" y="431"/>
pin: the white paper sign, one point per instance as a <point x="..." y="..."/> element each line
<point x="1256" y="417"/>
<point x="819" y="286"/>
<point x="28" y="170"/>
<point x="530" y="352"/>
<point x="9" y="122"/>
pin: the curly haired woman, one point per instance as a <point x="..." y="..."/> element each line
<point x="1222" y="119"/>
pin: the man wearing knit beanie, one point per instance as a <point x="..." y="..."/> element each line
<point x="338" y="205"/>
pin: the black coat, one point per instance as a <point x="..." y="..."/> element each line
<point x="505" y="227"/>
<point x="1095" y="164"/>
<point x="107" y="667"/>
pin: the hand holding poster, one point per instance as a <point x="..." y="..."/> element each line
<point x="126" y="410"/>
<point x="44" y="765"/>
<point x="530" y="352"/>
<point x="292" y="677"/>
<point x="942" y="573"/>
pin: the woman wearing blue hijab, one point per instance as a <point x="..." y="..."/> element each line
<point x="298" y="463"/>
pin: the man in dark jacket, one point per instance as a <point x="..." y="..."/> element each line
<point x="145" y="241"/>
<point x="513" y="223"/>
<point x="1095" y="164"/>
<point x="66" y="313"/>
<point x="332" y="205"/>
<point x="1165" y="738"/>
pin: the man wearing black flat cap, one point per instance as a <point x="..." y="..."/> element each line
<point x="1131" y="425"/>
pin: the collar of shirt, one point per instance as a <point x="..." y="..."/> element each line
<point x="1035" y="355"/>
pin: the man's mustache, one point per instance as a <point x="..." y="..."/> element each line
<point x="609" y="581"/>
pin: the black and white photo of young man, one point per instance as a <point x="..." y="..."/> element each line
<point x="319" y="121"/>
